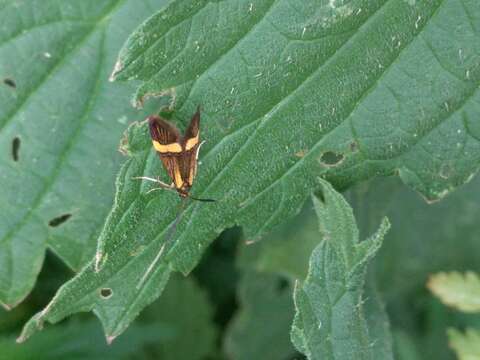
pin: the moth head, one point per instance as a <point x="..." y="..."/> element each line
<point x="183" y="191"/>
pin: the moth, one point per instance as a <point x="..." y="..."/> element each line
<point x="178" y="153"/>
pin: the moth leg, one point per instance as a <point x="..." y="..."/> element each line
<point x="162" y="184"/>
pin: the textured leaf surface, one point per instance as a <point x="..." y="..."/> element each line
<point x="461" y="291"/>
<point x="60" y="124"/>
<point x="466" y="345"/>
<point x="260" y="330"/>
<point x="350" y="90"/>
<point x="77" y="341"/>
<point x="330" y="320"/>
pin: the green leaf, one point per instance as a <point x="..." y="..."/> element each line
<point x="287" y="249"/>
<point x="377" y="321"/>
<point x="82" y="341"/>
<point x="405" y="347"/>
<point x="330" y="94"/>
<point x="260" y="328"/>
<point x="466" y="345"/>
<point x="185" y="313"/>
<point x="60" y="123"/>
<point x="386" y="111"/>
<point x="424" y="239"/>
<point x="461" y="291"/>
<point x="330" y="322"/>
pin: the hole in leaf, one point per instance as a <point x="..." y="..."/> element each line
<point x="59" y="220"/>
<point x="105" y="293"/>
<point x="10" y="82"/>
<point x="331" y="158"/>
<point x="282" y="284"/>
<point x="15" y="148"/>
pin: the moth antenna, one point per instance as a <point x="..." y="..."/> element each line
<point x="204" y="200"/>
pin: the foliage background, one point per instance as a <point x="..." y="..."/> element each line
<point x="349" y="90"/>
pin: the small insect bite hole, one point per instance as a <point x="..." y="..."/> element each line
<point x="59" y="220"/>
<point x="331" y="158"/>
<point x="10" y="82"/>
<point x="15" y="148"/>
<point x="105" y="293"/>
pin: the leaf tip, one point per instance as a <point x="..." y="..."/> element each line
<point x="116" y="69"/>
<point x="110" y="339"/>
<point x="6" y="306"/>
<point x="32" y="326"/>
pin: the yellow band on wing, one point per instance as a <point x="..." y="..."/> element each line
<point x="191" y="143"/>
<point x="178" y="176"/>
<point x="168" y="148"/>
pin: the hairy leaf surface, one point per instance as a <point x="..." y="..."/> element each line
<point x="289" y="91"/>
<point x="334" y="319"/>
<point x="60" y="124"/>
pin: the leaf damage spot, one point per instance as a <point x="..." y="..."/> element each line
<point x="138" y="250"/>
<point x="106" y="293"/>
<point x="172" y="93"/>
<point x="331" y="158"/>
<point x="436" y="196"/>
<point x="301" y="153"/>
<point x="15" y="148"/>
<point x="10" y="82"/>
<point x="59" y="220"/>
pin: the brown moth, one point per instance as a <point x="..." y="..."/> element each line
<point x="179" y="154"/>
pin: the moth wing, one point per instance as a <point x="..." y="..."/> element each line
<point x="162" y="131"/>
<point x="191" y="145"/>
<point x="194" y="127"/>
<point x="166" y="137"/>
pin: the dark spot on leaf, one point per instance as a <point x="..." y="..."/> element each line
<point x="15" y="148"/>
<point x="59" y="220"/>
<point x="331" y="158"/>
<point x="282" y="284"/>
<point x="10" y="82"/>
<point x="106" y="293"/>
<point x="353" y="146"/>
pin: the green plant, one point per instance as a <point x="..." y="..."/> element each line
<point x="296" y="95"/>
<point x="463" y="293"/>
